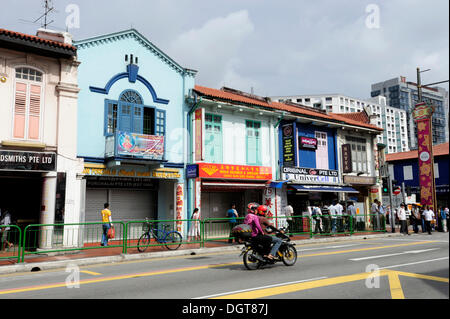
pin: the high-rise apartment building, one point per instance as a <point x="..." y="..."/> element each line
<point x="391" y="119"/>
<point x="403" y="95"/>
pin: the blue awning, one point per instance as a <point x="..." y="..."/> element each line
<point x="320" y="188"/>
<point x="277" y="184"/>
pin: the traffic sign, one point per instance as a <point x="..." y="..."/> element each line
<point x="397" y="191"/>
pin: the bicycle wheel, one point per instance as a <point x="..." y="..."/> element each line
<point x="250" y="260"/>
<point x="173" y="240"/>
<point x="289" y="256"/>
<point x="143" y="242"/>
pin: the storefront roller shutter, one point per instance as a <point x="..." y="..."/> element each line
<point x="95" y="199"/>
<point x="129" y="205"/>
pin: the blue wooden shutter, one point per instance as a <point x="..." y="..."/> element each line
<point x="125" y="117"/>
<point x="138" y="119"/>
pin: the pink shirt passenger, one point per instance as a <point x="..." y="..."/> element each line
<point x="253" y="221"/>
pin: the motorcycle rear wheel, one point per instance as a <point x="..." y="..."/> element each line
<point x="289" y="256"/>
<point x="250" y="261"/>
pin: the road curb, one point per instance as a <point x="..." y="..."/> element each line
<point x="49" y="265"/>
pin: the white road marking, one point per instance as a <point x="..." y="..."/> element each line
<point x="395" y="254"/>
<point x="318" y="248"/>
<point x="256" y="288"/>
<point x="414" y="263"/>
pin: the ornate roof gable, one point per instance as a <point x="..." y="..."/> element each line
<point x="132" y="33"/>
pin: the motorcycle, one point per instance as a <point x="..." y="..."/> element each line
<point x="253" y="253"/>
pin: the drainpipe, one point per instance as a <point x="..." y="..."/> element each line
<point x="190" y="159"/>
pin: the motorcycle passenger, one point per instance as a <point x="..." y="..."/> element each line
<point x="257" y="236"/>
<point x="261" y="212"/>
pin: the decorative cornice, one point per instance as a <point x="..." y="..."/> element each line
<point x="132" y="33"/>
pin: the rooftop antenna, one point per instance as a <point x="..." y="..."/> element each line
<point x="48" y="7"/>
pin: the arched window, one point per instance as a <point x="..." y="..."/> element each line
<point x="27" y="103"/>
<point x="131" y="96"/>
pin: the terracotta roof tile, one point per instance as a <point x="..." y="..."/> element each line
<point x="301" y="110"/>
<point x="33" y="38"/>
<point x="438" y="150"/>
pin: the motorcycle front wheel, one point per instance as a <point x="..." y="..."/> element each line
<point x="250" y="261"/>
<point x="289" y="256"/>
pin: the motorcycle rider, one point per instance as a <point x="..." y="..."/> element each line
<point x="261" y="212"/>
<point x="257" y="235"/>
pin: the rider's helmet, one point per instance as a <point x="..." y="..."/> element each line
<point x="262" y="210"/>
<point x="252" y="208"/>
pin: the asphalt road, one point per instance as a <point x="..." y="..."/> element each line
<point x="408" y="267"/>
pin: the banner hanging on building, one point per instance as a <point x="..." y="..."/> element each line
<point x="422" y="114"/>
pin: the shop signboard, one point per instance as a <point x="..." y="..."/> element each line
<point x="288" y="144"/>
<point x="229" y="171"/>
<point x="27" y="161"/>
<point x="308" y="143"/>
<point x="346" y="158"/>
<point x="192" y="171"/>
<point x="310" y="175"/>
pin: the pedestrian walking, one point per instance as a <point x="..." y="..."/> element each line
<point x="107" y="223"/>
<point x="232" y="214"/>
<point x="381" y="216"/>
<point x="5" y="221"/>
<point x="415" y="218"/>
<point x="401" y="213"/>
<point x="374" y="214"/>
<point x="333" y="214"/>
<point x="445" y="219"/>
<point x="289" y="212"/>
<point x="351" y="211"/>
<point x="316" y="214"/>
<point x="339" y="213"/>
<point x="428" y="216"/>
<point x="194" y="230"/>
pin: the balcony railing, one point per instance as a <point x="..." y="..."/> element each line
<point x="135" y="145"/>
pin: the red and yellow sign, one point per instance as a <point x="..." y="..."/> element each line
<point x="422" y="115"/>
<point x="206" y="170"/>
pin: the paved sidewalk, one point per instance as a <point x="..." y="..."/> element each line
<point x="48" y="261"/>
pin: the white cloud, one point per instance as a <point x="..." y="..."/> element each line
<point x="213" y="49"/>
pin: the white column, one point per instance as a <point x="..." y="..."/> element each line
<point x="48" y="201"/>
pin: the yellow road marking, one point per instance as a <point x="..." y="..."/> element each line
<point x="153" y="273"/>
<point x="90" y="272"/>
<point x="105" y="279"/>
<point x="395" y="286"/>
<point x="393" y="276"/>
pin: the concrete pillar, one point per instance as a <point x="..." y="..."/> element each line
<point x="48" y="202"/>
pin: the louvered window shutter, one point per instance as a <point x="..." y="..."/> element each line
<point x="34" y="112"/>
<point x="20" y="104"/>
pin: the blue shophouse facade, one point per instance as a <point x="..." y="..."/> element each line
<point x="131" y="127"/>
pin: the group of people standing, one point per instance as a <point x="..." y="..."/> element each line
<point x="424" y="217"/>
<point x="332" y="218"/>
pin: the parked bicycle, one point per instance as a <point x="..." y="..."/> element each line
<point x="170" y="238"/>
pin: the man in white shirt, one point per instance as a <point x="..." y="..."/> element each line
<point x="401" y="213"/>
<point x="333" y="212"/>
<point x="339" y="213"/>
<point x="428" y="216"/>
<point x="351" y="211"/>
